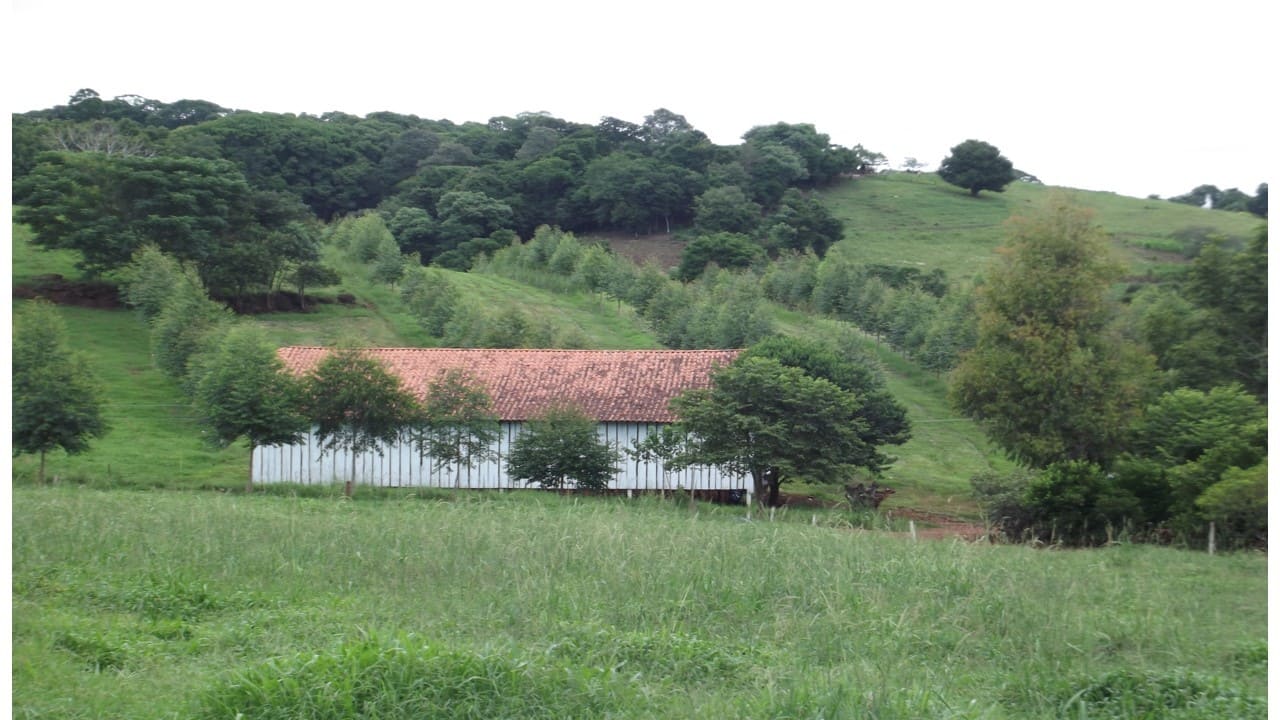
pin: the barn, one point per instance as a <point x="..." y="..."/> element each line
<point x="626" y="391"/>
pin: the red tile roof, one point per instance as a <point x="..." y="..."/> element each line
<point x="608" y="385"/>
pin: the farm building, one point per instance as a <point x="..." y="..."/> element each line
<point x="627" y="391"/>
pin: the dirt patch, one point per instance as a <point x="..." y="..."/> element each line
<point x="61" y="291"/>
<point x="936" y="526"/>
<point x="662" y="249"/>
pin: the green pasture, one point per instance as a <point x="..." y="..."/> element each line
<point x="921" y="221"/>
<point x="150" y="604"/>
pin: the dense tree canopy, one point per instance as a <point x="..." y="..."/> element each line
<point x="976" y="166"/>
<point x="775" y="423"/>
<point x="1048" y="379"/>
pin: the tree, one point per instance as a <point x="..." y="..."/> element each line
<point x="1049" y="379"/>
<point x="56" y="400"/>
<point x="356" y="405"/>
<point x="976" y="166"/>
<point x="560" y="446"/>
<point x="884" y="419"/>
<point x="187" y="319"/>
<point x="1196" y="436"/>
<point x="725" y="209"/>
<point x="458" y="422"/>
<point x="775" y="423"/>
<point x="243" y="391"/>
<point x="800" y="222"/>
<point x="728" y="250"/>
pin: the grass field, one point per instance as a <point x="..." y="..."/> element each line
<point x="141" y="590"/>
<point x="136" y="604"/>
<point x="921" y="221"/>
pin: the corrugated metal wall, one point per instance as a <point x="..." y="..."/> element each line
<point x="400" y="465"/>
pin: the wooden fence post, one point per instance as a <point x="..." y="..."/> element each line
<point x="1211" y="537"/>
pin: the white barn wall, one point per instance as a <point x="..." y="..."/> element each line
<point x="399" y="465"/>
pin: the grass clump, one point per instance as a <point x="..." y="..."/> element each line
<point x="407" y="677"/>
<point x="1134" y="695"/>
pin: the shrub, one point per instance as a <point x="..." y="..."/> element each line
<point x="1238" y="505"/>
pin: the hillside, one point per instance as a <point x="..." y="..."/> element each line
<point x="919" y="220"/>
<point x="894" y="218"/>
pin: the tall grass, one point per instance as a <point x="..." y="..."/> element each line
<point x="156" y="605"/>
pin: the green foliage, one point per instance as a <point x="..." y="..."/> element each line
<point x="976" y="166"/>
<point x="802" y="222"/>
<point x="202" y="211"/>
<point x="187" y="321"/>
<point x="1195" y="437"/>
<point x="356" y="405"/>
<point x="312" y="274"/>
<point x="149" y="279"/>
<point x="774" y="422"/>
<point x="458" y="422"/>
<point x="431" y="297"/>
<point x="883" y="419"/>
<point x="1047" y="379"/>
<point x="726" y="250"/>
<point x="725" y="209"/>
<point x="362" y="236"/>
<point x="560" y="448"/>
<point x="243" y="391"/>
<point x="56" y="398"/>
<point x="1238" y="504"/>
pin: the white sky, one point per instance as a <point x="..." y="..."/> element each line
<point x="1130" y="96"/>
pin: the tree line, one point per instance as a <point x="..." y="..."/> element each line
<point x="239" y="193"/>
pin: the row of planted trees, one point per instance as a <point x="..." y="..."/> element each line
<point x="350" y="401"/>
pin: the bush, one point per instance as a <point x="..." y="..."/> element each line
<point x="561" y="447"/>
<point x="1238" y="505"/>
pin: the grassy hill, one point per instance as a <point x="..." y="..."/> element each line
<point x="919" y="220"/>
<point x="436" y="604"/>
<point x="893" y="218"/>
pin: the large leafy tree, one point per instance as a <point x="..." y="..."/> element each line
<point x="976" y="166"/>
<point x="459" y="424"/>
<point x="243" y="391"/>
<point x="884" y="419"/>
<point x="559" y="447"/>
<point x="56" y="400"/>
<point x="106" y="207"/>
<point x="198" y="211"/>
<point x="774" y="422"/>
<point x="1048" y="379"/>
<point x="356" y="404"/>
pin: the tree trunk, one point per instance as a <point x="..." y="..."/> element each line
<point x="346" y="490"/>
<point x="248" y="487"/>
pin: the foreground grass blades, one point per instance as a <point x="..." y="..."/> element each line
<point x="155" y="604"/>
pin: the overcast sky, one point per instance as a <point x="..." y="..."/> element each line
<point x="1132" y="97"/>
